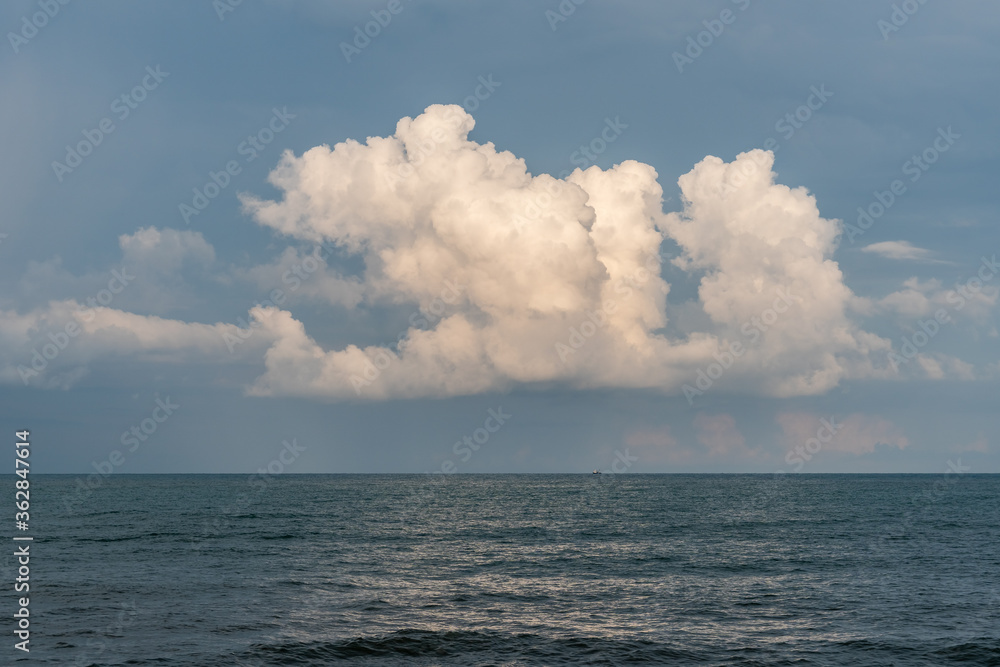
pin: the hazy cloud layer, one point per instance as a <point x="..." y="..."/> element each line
<point x="855" y="434"/>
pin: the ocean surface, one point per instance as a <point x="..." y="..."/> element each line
<point x="185" y="570"/>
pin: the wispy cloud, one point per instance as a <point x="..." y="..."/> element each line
<point x="898" y="250"/>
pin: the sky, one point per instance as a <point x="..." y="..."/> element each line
<point x="460" y="237"/>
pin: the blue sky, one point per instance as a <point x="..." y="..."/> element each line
<point x="845" y="95"/>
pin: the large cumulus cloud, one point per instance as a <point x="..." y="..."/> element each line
<point x="542" y="280"/>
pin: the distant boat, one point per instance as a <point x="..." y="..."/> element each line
<point x="597" y="472"/>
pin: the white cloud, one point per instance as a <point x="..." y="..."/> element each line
<point x="917" y="299"/>
<point x="164" y="263"/>
<point x="55" y="345"/>
<point x="305" y="276"/>
<point x="753" y="237"/>
<point x="164" y="251"/>
<point x="897" y="250"/>
<point x="938" y="366"/>
<point x="924" y="298"/>
<point x="537" y="257"/>
<point x="155" y="268"/>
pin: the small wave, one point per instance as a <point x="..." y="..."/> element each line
<point x="983" y="651"/>
<point x="472" y="647"/>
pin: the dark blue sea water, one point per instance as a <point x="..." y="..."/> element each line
<point x="514" y="570"/>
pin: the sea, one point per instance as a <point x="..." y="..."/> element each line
<point x="574" y="569"/>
